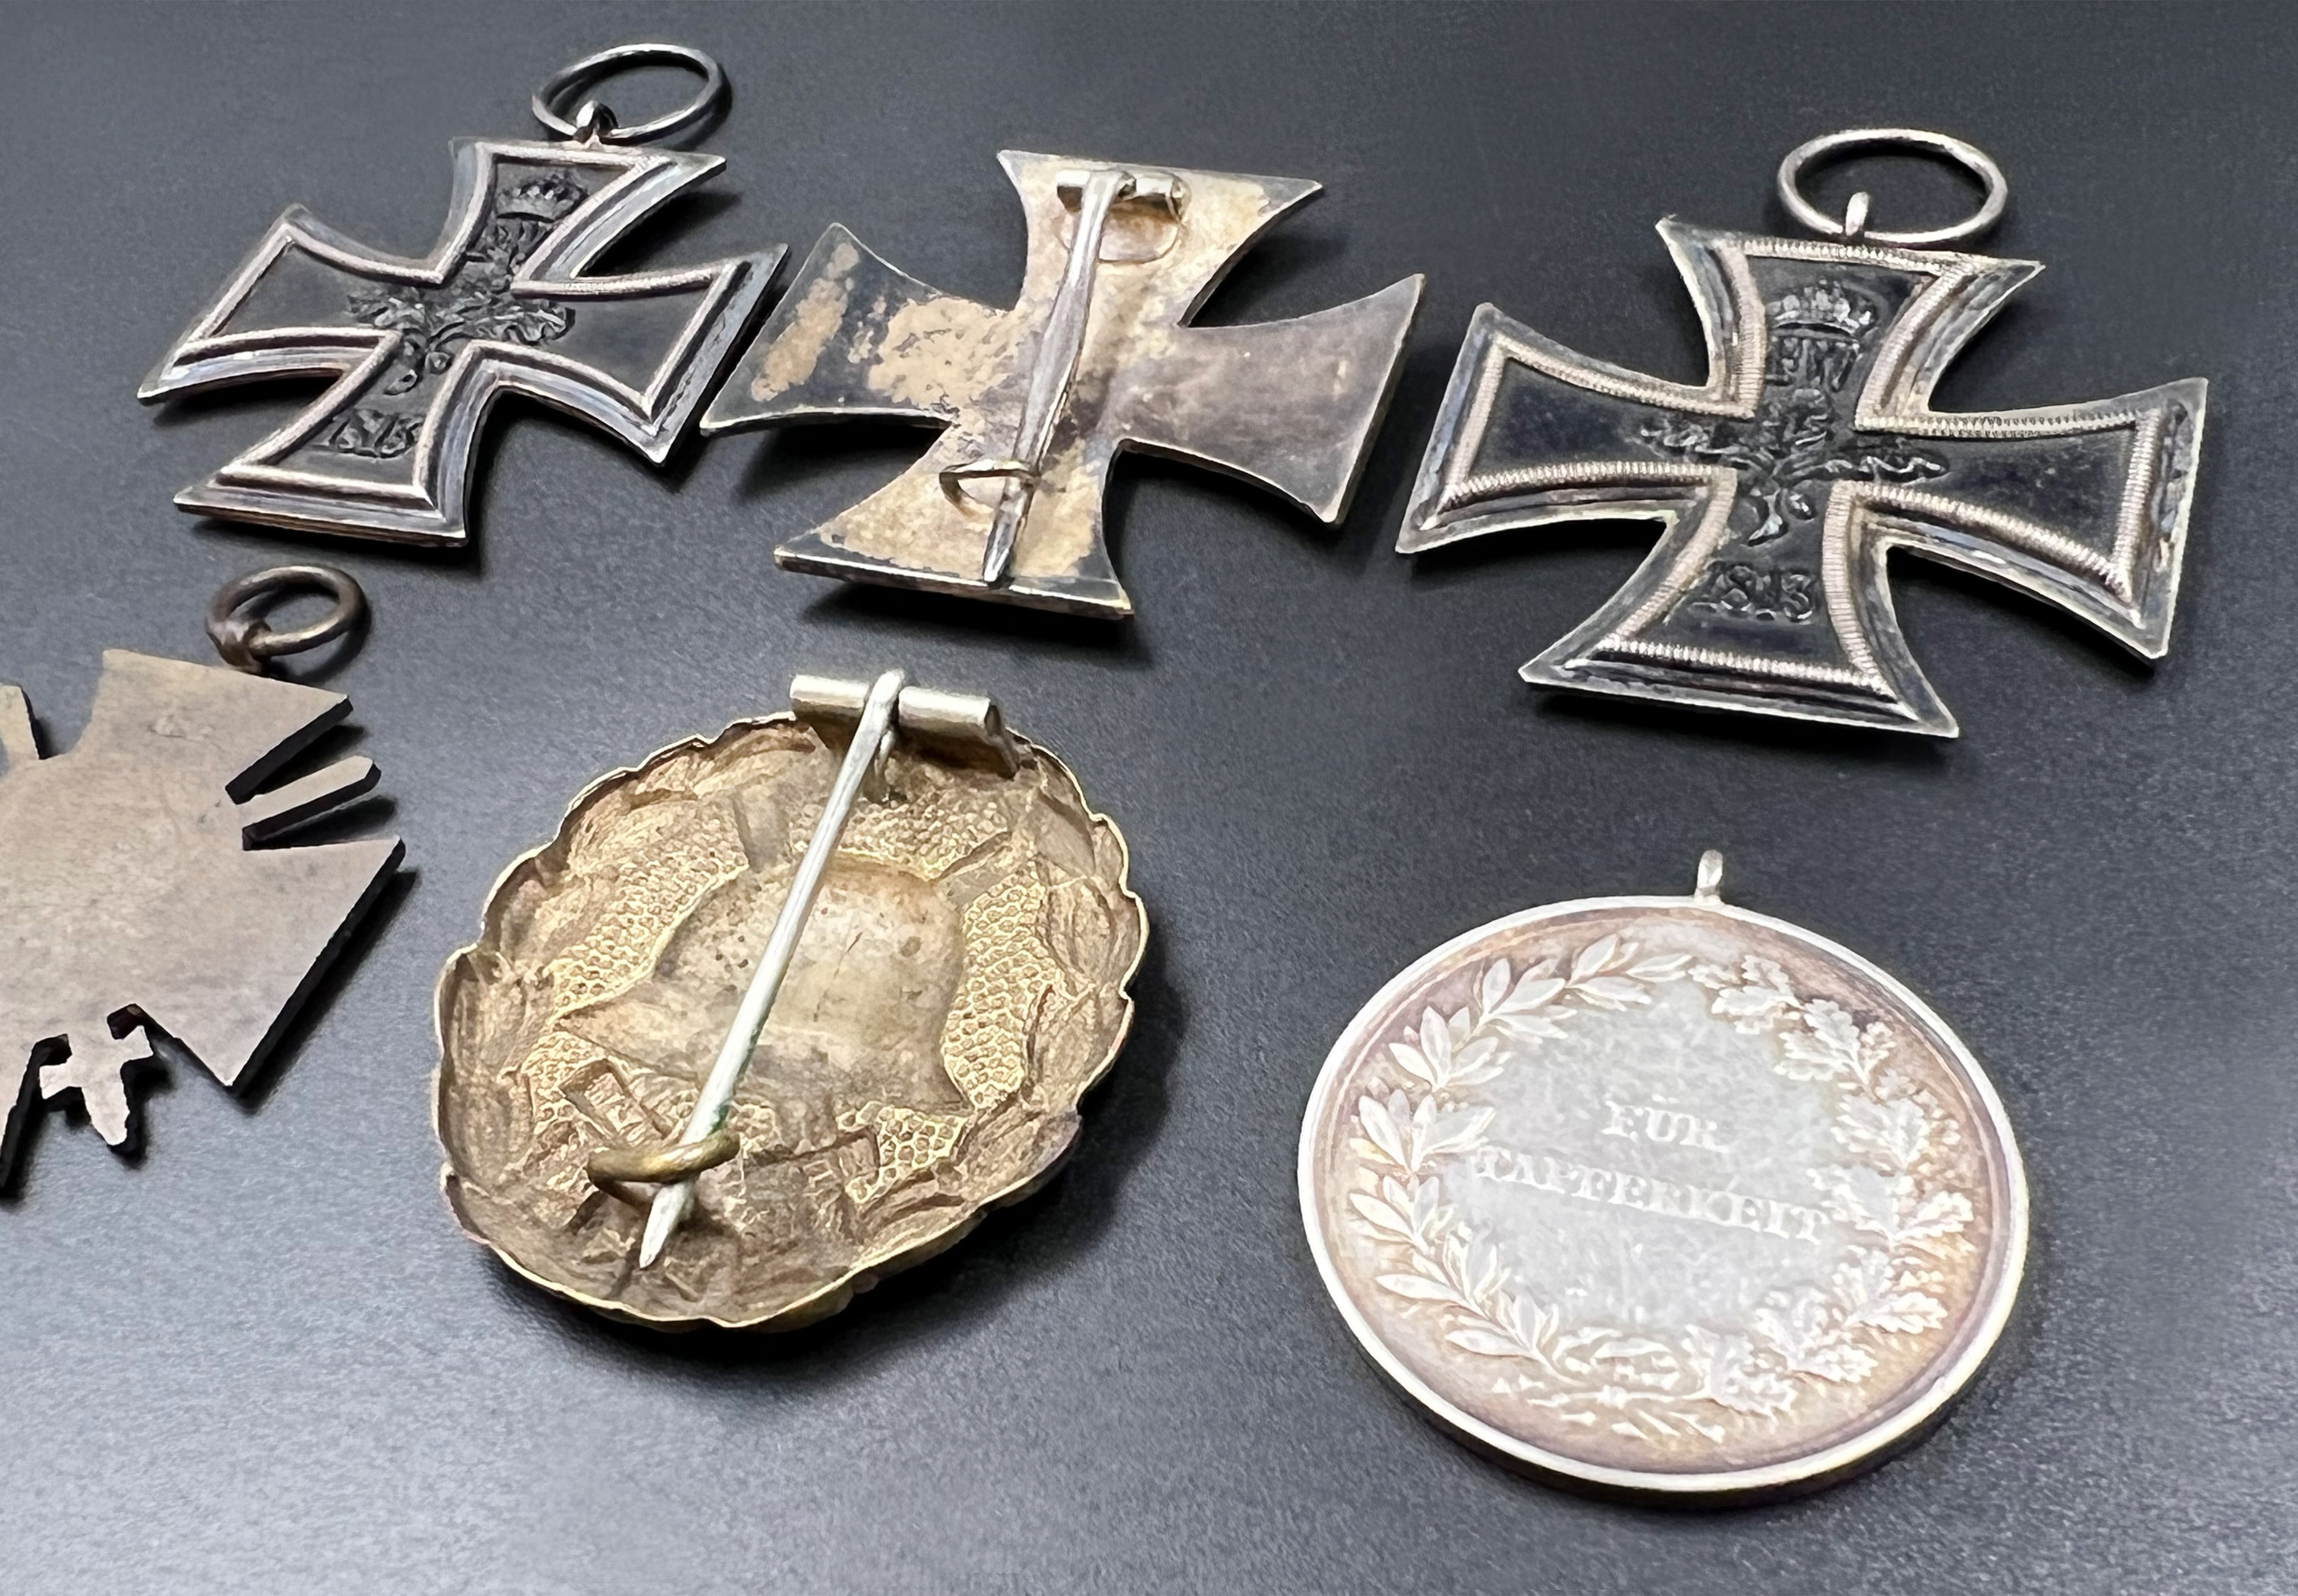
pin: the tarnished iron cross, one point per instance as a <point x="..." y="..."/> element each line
<point x="1095" y="357"/>
<point x="1811" y="453"/>
<point x="419" y="349"/>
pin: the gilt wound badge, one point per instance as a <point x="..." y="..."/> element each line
<point x="1808" y="455"/>
<point x="420" y="349"/>
<point x="780" y="1011"/>
<point x="1095" y="355"/>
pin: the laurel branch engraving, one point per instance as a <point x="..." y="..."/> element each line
<point x="1701" y="1379"/>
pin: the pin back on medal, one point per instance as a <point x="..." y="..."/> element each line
<point x="781" y="1011"/>
<point x="1661" y="1196"/>
<point x="1036" y="401"/>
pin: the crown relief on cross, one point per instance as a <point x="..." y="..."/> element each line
<point x="1697" y="453"/>
<point x="502" y="303"/>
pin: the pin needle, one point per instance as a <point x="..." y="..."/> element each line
<point x="873" y="739"/>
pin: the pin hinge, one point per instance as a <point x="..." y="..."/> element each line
<point x="962" y="728"/>
<point x="1155" y="191"/>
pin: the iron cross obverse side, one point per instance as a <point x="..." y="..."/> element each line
<point x="420" y="348"/>
<point x="1095" y="355"/>
<point x="1808" y="455"/>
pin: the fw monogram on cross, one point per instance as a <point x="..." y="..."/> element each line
<point x="1784" y="481"/>
<point x="419" y="349"/>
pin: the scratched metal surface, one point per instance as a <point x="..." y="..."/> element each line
<point x="264" y="1359"/>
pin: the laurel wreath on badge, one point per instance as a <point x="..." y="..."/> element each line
<point x="1895" y="1134"/>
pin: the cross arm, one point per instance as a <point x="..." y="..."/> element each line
<point x="856" y="336"/>
<point x="1290" y="404"/>
<point x="2083" y="506"/>
<point x="1531" y="433"/>
<point x="269" y="814"/>
<point x="233" y="729"/>
<point x="280" y="312"/>
<point x="19" y="741"/>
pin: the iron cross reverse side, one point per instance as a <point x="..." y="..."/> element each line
<point x="419" y="349"/>
<point x="1808" y="455"/>
<point x="1095" y="355"/>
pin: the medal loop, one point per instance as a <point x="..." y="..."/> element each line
<point x="593" y="122"/>
<point x="1708" y="887"/>
<point x="1851" y="227"/>
<point x="248" y="643"/>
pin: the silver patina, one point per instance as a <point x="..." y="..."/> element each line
<point x="1810" y="454"/>
<point x="135" y="906"/>
<point x="419" y="347"/>
<point x="1659" y="1195"/>
<point x="1095" y="355"/>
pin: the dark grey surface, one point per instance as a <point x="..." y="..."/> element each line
<point x="265" y="1361"/>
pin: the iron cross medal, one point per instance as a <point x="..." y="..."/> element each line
<point x="419" y="349"/>
<point x="1095" y="355"/>
<point x="1661" y="1196"/>
<point x="1810" y="454"/>
<point x="138" y="916"/>
<point x="782" y="1010"/>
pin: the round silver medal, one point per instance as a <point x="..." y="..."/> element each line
<point x="1661" y="1194"/>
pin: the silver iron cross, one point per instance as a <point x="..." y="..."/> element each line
<point x="1095" y="355"/>
<point x="420" y="348"/>
<point x="1808" y="455"/>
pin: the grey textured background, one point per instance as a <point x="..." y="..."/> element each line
<point x="264" y="1360"/>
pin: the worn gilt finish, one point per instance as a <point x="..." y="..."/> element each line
<point x="1787" y="479"/>
<point x="959" y="985"/>
<point x="133" y="904"/>
<point x="420" y="348"/>
<point x="1660" y="1195"/>
<point x="1095" y="355"/>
